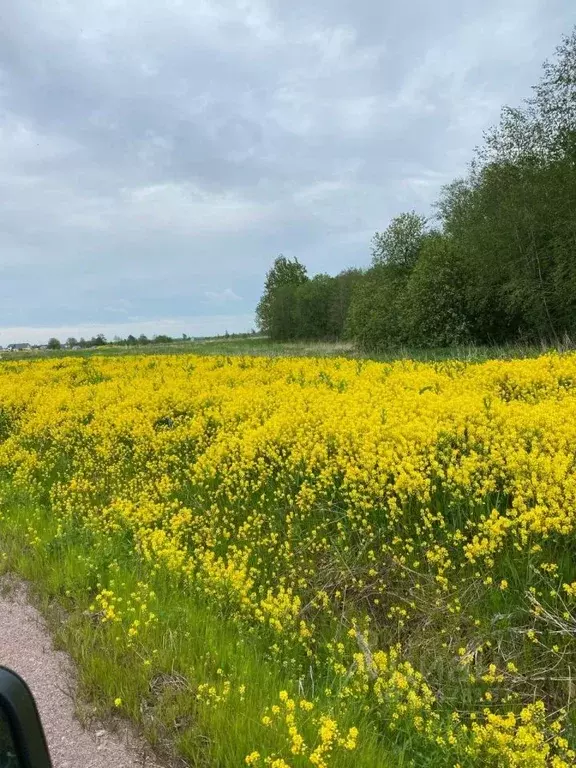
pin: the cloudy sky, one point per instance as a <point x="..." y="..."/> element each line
<point x="156" y="155"/>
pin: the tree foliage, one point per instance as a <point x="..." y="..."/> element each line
<point x="313" y="301"/>
<point x="500" y="267"/>
<point x="434" y="310"/>
<point x="399" y="244"/>
<point x="285" y="275"/>
<point x="374" y="318"/>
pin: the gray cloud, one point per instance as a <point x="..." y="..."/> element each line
<point x="152" y="151"/>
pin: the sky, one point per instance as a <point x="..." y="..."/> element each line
<point x="156" y="155"/>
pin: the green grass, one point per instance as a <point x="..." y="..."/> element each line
<point x="261" y="346"/>
<point x="157" y="678"/>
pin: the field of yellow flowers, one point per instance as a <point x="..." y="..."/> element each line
<point x="307" y="562"/>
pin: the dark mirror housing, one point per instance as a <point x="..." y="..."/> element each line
<point x="22" y="740"/>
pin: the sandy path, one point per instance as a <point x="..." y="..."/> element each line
<point x="26" y="647"/>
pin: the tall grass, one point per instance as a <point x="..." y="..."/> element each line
<point x="262" y="346"/>
<point x="154" y="681"/>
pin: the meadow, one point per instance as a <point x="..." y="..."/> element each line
<point x="305" y="561"/>
<point x="262" y="346"/>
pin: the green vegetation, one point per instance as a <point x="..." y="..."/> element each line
<point x="497" y="265"/>
<point x="188" y="636"/>
<point x="256" y="346"/>
<point x="299" y="562"/>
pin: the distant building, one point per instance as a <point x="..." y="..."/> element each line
<point x="18" y="347"/>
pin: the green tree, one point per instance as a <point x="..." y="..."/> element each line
<point x="545" y="126"/>
<point x="502" y="267"/>
<point x="400" y="242"/>
<point x="375" y="311"/>
<point x="475" y="216"/>
<point x="97" y="341"/>
<point x="282" y="317"/>
<point x="513" y="216"/>
<point x="312" y="311"/>
<point x="434" y="312"/>
<point x="344" y="284"/>
<point x="285" y="275"/>
<point x="54" y="343"/>
<point x="374" y="317"/>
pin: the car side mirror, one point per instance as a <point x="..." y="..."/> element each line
<point x="22" y="740"/>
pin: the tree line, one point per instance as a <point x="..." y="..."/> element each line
<point x="495" y="264"/>
<point x="135" y="341"/>
<point x="101" y="341"/>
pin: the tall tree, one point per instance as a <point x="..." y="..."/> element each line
<point x="513" y="216"/>
<point x="345" y="283"/>
<point x="313" y="301"/>
<point x="435" y="312"/>
<point x="502" y="267"/>
<point x="284" y="274"/>
<point x="282" y="318"/>
<point x="374" y="317"/>
<point x="400" y="242"/>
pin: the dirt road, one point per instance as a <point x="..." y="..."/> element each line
<point x="26" y="647"/>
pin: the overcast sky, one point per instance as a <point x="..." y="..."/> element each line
<point x="156" y="155"/>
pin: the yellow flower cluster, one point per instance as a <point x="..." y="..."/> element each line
<point x="325" y="733"/>
<point x="360" y="521"/>
<point x="132" y="613"/>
